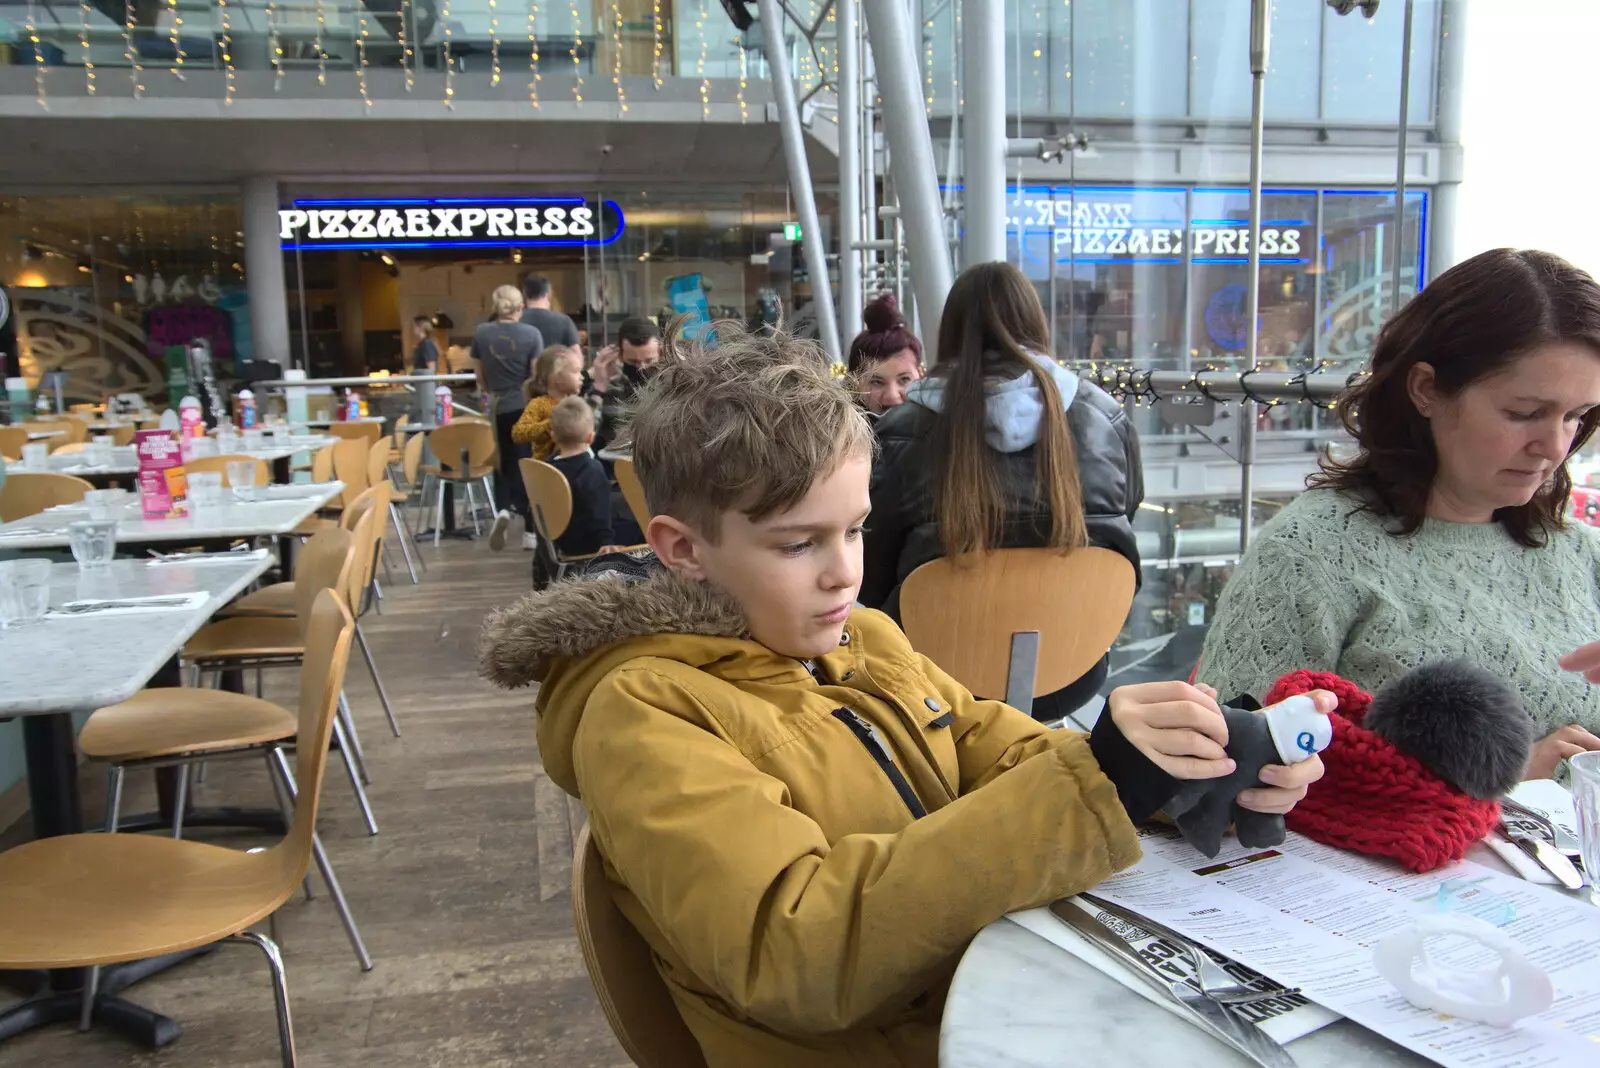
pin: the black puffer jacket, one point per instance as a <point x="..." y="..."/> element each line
<point x="902" y="533"/>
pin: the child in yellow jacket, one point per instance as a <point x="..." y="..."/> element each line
<point x="557" y="374"/>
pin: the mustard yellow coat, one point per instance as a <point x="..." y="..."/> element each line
<point x="800" y="914"/>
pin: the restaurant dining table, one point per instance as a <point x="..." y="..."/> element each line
<point x="124" y="465"/>
<point x="44" y="435"/>
<point x="74" y="663"/>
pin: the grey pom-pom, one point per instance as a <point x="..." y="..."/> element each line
<point x="1468" y="726"/>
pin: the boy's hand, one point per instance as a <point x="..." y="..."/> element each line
<point x="1287" y="783"/>
<point x="1178" y="726"/>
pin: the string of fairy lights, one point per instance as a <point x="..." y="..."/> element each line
<point x="361" y="53"/>
<point x="83" y="40"/>
<point x="176" y="37"/>
<point x="229" y="82"/>
<point x="616" y="56"/>
<point x="655" y="57"/>
<point x="274" y="45"/>
<point x="447" y="59"/>
<point x="129" y="52"/>
<point x="494" y="44"/>
<point x="316" y="44"/>
<point x="30" y="26"/>
<point x="533" y="53"/>
<point x="700" y="64"/>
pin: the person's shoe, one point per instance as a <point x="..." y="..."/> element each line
<point x="530" y="541"/>
<point x="497" y="533"/>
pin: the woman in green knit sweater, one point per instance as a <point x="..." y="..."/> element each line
<point x="1445" y="535"/>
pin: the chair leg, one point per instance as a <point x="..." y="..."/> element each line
<point x="279" y="765"/>
<point x="286" y="806"/>
<point x="360" y="754"/>
<point x="355" y="778"/>
<point x="438" y="516"/>
<point x="383" y="555"/>
<point x="180" y="800"/>
<point x="400" y="536"/>
<point x="472" y="508"/>
<point x="280" y="990"/>
<point x="377" y="680"/>
<point x="113" y="798"/>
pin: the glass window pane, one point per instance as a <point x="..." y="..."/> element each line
<point x="1221" y="60"/>
<point x="1361" y="64"/>
<point x="1129" y="59"/>
<point x="1357" y="258"/>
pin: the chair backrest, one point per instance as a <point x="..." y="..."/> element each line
<point x="219" y="464"/>
<point x="26" y="493"/>
<point x="549" y="497"/>
<point x="632" y="492"/>
<point x="12" y="439"/>
<point x="962" y="613"/>
<point x="324" y="562"/>
<point x="322" y="464"/>
<point x="447" y="442"/>
<point x="69" y="448"/>
<point x="328" y="632"/>
<point x="365" y="519"/>
<point x="378" y="461"/>
<point x="403" y="421"/>
<point x="411" y="457"/>
<point x="350" y="467"/>
<point x="357" y="431"/>
<point x="122" y="435"/>
<point x="631" y="992"/>
<point x="77" y="429"/>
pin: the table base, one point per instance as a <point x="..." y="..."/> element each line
<point x="62" y="1002"/>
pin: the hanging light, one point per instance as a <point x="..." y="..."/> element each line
<point x="129" y="52"/>
<point x="31" y="28"/>
<point x="700" y="67"/>
<point x="361" y="51"/>
<point x="449" y="63"/>
<point x="494" y="44"/>
<point x="274" y="45"/>
<point x="655" y="61"/>
<point x="227" y="54"/>
<point x="744" y="78"/>
<point x="533" y="53"/>
<point x="83" y="41"/>
<point x="577" y="44"/>
<point x="406" y="63"/>
<point x="616" y="55"/>
<point x="322" y="53"/>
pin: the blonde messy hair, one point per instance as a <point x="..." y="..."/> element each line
<point x="544" y="365"/>
<point x="750" y="423"/>
<point x="506" y="302"/>
<point x="571" y="422"/>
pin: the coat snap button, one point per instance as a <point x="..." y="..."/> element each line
<point x="844" y="639"/>
<point x="933" y="706"/>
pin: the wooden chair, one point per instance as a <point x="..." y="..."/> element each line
<point x="243" y="641"/>
<point x="219" y="464"/>
<point x="77" y="430"/>
<point x="631" y="992"/>
<point x="86" y="900"/>
<point x="363" y="432"/>
<point x="632" y="492"/>
<point x="1017" y="622"/>
<point x="378" y="478"/>
<point x="122" y="435"/>
<point x="12" y="439"/>
<point x="350" y="467"/>
<point x="69" y="449"/>
<point x="550" y="501"/>
<point x="181" y="726"/>
<point x="26" y="493"/>
<point x="365" y="521"/>
<point x="464" y="450"/>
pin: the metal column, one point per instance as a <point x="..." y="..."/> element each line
<point x="1447" y="194"/>
<point x="263" y="272"/>
<point x="794" y="153"/>
<point x="1260" y="31"/>
<point x="983" y="150"/>
<point x="916" y="179"/>
<point x="849" y="171"/>
<point x="1400" y="161"/>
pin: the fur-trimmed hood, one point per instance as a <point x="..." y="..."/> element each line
<point x="572" y="619"/>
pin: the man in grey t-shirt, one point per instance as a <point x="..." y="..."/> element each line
<point x="557" y="329"/>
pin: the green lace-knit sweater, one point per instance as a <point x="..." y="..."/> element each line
<point x="1325" y="589"/>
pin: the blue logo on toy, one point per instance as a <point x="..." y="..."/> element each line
<point x="1307" y="742"/>
<point x="1227" y="317"/>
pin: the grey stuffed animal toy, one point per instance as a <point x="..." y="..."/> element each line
<point x="1286" y="733"/>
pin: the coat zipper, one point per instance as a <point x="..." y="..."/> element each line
<point x="869" y="737"/>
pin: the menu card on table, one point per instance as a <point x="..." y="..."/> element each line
<point x="1310" y="916"/>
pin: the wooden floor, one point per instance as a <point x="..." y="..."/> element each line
<point x="462" y="898"/>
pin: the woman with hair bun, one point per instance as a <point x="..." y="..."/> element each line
<point x="885" y="358"/>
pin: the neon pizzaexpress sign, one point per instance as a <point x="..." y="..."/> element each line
<point x="448" y="223"/>
<point x="1110" y="231"/>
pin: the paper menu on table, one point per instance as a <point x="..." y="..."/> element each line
<point x="1309" y="916"/>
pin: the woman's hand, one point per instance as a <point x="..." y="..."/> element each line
<point x="1178" y="726"/>
<point x="1551" y="750"/>
<point x="1585" y="660"/>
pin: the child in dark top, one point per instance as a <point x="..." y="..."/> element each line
<point x="600" y="518"/>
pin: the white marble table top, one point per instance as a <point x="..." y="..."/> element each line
<point x="272" y="515"/>
<point x="335" y="422"/>
<point x="1017" y="1001"/>
<point x="125" y="461"/>
<point x="80" y="663"/>
<point x="41" y="435"/>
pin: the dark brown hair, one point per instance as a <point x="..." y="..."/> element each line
<point x="1474" y="320"/>
<point x="992" y="322"/>
<point x="886" y="335"/>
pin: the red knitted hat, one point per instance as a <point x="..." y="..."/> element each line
<point x="1376" y="799"/>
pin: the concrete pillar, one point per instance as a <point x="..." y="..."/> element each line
<point x="1450" y="80"/>
<point x="263" y="272"/>
<point x="983" y="132"/>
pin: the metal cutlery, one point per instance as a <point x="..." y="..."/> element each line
<point x="1545" y="854"/>
<point x="1565" y="842"/>
<point x="1210" y="1014"/>
<point x="86" y="607"/>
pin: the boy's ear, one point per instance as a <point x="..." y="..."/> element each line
<point x="675" y="545"/>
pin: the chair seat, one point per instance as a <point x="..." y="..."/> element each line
<point x="245" y="636"/>
<point x="168" y="720"/>
<point x="85" y="899"/>
<point x="274" y="600"/>
<point x="561" y="558"/>
<point x="474" y="472"/>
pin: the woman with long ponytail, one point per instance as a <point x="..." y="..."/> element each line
<point x="999" y="447"/>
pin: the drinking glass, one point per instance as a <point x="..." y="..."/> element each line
<point x="253" y="439"/>
<point x="93" y="541"/>
<point x="205" y="490"/>
<point x="242" y="477"/>
<point x="104" y="503"/>
<point x="281" y="433"/>
<point x="36" y="456"/>
<point x="1586" y="801"/>
<point x="24" y="591"/>
<point x="98" y="454"/>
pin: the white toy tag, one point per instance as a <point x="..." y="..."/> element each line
<point x="1298" y="729"/>
<point x="1499" y="995"/>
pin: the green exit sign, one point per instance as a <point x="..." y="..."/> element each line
<point x="791" y="232"/>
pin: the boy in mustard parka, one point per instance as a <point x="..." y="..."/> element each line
<point x="805" y="819"/>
